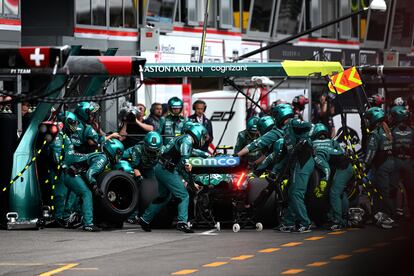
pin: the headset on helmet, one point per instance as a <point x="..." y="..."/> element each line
<point x="200" y="102"/>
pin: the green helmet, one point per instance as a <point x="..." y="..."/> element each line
<point x="265" y="124"/>
<point x="114" y="149"/>
<point x="86" y="110"/>
<point x="252" y="124"/>
<point x="186" y="126"/>
<point x="175" y="102"/>
<point x="375" y="115"/>
<point x="152" y="143"/>
<point x="198" y="132"/>
<point x="399" y="114"/>
<point x="319" y="130"/>
<point x="281" y="112"/>
<point x="70" y="121"/>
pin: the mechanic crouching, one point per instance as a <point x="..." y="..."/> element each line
<point x="72" y="163"/>
<point x="143" y="158"/>
<point x="173" y="166"/>
<point x="244" y="138"/>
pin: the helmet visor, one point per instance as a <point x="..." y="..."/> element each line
<point x="151" y="151"/>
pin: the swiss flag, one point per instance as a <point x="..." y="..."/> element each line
<point x="36" y="56"/>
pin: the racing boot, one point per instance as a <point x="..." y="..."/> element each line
<point x="74" y="221"/>
<point x="91" y="228"/>
<point x="384" y="221"/>
<point x="302" y="229"/>
<point x="133" y="219"/>
<point x="144" y="225"/>
<point x="284" y="228"/>
<point x="182" y="226"/>
<point x="333" y="226"/>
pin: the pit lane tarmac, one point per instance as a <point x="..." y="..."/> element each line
<point x="130" y="251"/>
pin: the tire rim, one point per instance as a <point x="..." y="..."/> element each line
<point x="120" y="193"/>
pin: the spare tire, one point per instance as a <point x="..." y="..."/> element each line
<point x="121" y="197"/>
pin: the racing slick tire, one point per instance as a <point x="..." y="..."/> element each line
<point x="120" y="200"/>
<point x="148" y="191"/>
<point x="317" y="207"/>
<point x="265" y="214"/>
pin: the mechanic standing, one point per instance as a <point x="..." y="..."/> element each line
<point x="173" y="167"/>
<point x="143" y="158"/>
<point x="199" y="116"/>
<point x="379" y="158"/>
<point x="299" y="157"/>
<point x="403" y="149"/>
<point x="329" y="157"/>
<point x="170" y="125"/>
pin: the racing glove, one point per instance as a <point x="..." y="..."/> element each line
<point x="320" y="189"/>
<point x="97" y="191"/>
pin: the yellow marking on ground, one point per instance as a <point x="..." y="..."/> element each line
<point x="60" y="269"/>
<point x="400" y="238"/>
<point x="352" y="229"/>
<point x="20" y="264"/>
<point x="242" y="257"/>
<point x="336" y="233"/>
<point x="185" y="272"/>
<point x="314" y="238"/>
<point x="268" y="250"/>
<point x="362" y="250"/>
<point x="317" y="264"/>
<point x="85" y="268"/>
<point x="215" y="264"/>
<point x="292" y="271"/>
<point x="341" y="257"/>
<point x="291" y="244"/>
<point x="381" y="244"/>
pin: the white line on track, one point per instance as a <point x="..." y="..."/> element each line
<point x="208" y="233"/>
